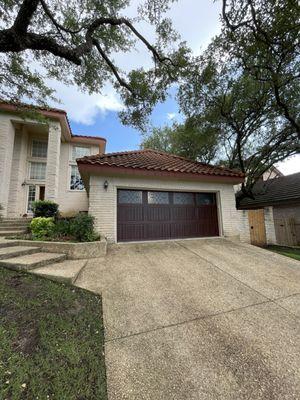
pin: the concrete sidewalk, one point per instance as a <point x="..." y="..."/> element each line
<point x="198" y="319"/>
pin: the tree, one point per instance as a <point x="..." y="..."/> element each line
<point x="75" y="42"/>
<point x="252" y="131"/>
<point x="191" y="140"/>
<point x="263" y="36"/>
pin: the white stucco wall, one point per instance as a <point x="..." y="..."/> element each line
<point x="103" y="203"/>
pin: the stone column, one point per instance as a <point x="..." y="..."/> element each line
<point x="7" y="137"/>
<point x="53" y="158"/>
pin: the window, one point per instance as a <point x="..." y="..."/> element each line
<point x="130" y="196"/>
<point x="37" y="170"/>
<point x="75" y="181"/>
<point x="158" y="198"/>
<point x="39" y="149"/>
<point x="183" y="198"/>
<point x="79" y="151"/>
<point x="31" y="197"/>
<point x="205" y="199"/>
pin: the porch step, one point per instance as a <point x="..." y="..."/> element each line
<point x="16" y="251"/>
<point x="11" y="232"/>
<point x="66" y="271"/>
<point x="12" y="227"/>
<point x="32" y="261"/>
<point x="14" y="224"/>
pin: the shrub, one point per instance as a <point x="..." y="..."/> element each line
<point x="45" y="208"/>
<point x="42" y="228"/>
<point x="62" y="228"/>
<point x="82" y="228"/>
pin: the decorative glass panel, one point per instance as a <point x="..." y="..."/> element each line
<point x="37" y="171"/>
<point x="130" y="196"/>
<point x="39" y="149"/>
<point x="183" y="198"/>
<point x="205" y="198"/>
<point x="158" y="198"/>
<point x="79" y="151"/>
<point x="76" y="181"/>
<point x="31" y="197"/>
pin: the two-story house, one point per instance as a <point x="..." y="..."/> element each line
<point x="133" y="195"/>
<point x="38" y="161"/>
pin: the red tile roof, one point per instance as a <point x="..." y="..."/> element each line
<point x="153" y="160"/>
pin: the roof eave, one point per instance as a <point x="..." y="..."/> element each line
<point x="117" y="171"/>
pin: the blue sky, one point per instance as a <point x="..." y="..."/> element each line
<point x="197" y="21"/>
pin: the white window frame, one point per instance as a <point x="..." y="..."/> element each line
<point x="31" y="149"/>
<point x="69" y="180"/>
<point x="72" y="162"/>
<point x="29" y="172"/>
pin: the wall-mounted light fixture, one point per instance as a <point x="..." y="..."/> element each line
<point x="24" y="183"/>
<point x="105" y="185"/>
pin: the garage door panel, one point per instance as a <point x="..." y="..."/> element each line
<point x="150" y="218"/>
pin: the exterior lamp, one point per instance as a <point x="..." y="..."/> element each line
<point x="105" y="185"/>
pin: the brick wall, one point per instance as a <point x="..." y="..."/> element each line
<point x="103" y="203"/>
<point x="7" y="135"/>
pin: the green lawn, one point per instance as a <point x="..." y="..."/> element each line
<point x="51" y="340"/>
<point x="286" y="251"/>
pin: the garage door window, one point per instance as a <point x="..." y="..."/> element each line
<point x="205" y="198"/>
<point x="183" y="198"/>
<point x="130" y="196"/>
<point x="158" y="198"/>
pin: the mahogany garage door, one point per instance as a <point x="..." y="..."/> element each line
<point x="150" y="215"/>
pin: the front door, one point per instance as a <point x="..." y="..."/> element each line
<point x="35" y="192"/>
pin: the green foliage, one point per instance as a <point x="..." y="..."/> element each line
<point x="45" y="208"/>
<point x="42" y="228"/>
<point x="74" y="42"/>
<point x="190" y="140"/>
<point x="82" y="228"/>
<point x="62" y="228"/>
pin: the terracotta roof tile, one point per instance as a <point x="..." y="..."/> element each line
<point x="157" y="161"/>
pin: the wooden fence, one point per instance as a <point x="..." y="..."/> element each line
<point x="287" y="232"/>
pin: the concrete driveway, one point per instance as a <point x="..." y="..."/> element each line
<point x="198" y="320"/>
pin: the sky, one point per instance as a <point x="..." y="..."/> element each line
<point x="197" y="21"/>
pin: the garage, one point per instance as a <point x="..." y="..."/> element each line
<point x="157" y="215"/>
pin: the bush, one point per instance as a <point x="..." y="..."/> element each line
<point x="45" y="208"/>
<point x="82" y="228"/>
<point x="42" y="228"/>
<point x="62" y="228"/>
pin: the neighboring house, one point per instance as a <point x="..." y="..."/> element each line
<point x="38" y="161"/>
<point x="273" y="216"/>
<point x="135" y="195"/>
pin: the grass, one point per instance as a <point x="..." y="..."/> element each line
<point x="286" y="251"/>
<point x="52" y="341"/>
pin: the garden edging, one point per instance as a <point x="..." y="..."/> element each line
<point x="74" y="251"/>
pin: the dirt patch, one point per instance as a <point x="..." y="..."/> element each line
<point x="29" y="290"/>
<point x="28" y="340"/>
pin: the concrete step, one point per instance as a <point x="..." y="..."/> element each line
<point x="9" y="232"/>
<point x="66" y="271"/>
<point x="24" y="220"/>
<point x="8" y="242"/>
<point x="13" y="223"/>
<point x="12" y="228"/>
<point x="16" y="251"/>
<point x="32" y="261"/>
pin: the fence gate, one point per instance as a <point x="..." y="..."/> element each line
<point x="286" y="232"/>
<point x="257" y="227"/>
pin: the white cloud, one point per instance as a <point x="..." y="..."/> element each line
<point x="290" y="165"/>
<point x="82" y="107"/>
<point x="171" y="116"/>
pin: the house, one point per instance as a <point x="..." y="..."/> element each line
<point x="273" y="216"/>
<point x="133" y="195"/>
<point x="38" y="160"/>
